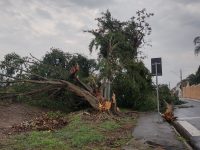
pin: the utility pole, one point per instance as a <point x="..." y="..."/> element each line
<point x="157" y="88"/>
<point x="181" y="78"/>
<point x="181" y="74"/>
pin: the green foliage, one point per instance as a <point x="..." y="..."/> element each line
<point x="87" y="66"/>
<point x="24" y="87"/>
<point x="66" y="103"/>
<point x="194" y="78"/>
<point x="44" y="102"/>
<point x="134" y="89"/>
<point x="63" y="100"/>
<point x="197" y="45"/>
<point x="56" y="64"/>
<point x="165" y="95"/>
<point x="52" y="65"/>
<point x="118" y="43"/>
<point x="120" y="61"/>
<point x="11" y="64"/>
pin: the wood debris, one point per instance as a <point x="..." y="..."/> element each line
<point x="168" y="115"/>
<point x="42" y="123"/>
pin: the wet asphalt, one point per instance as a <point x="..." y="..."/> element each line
<point x="189" y="113"/>
<point x="153" y="130"/>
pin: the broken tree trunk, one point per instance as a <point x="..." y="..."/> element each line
<point x="168" y="115"/>
<point x="97" y="101"/>
<point x="93" y="101"/>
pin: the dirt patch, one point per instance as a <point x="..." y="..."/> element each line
<point x="15" y="114"/>
<point x="44" y="122"/>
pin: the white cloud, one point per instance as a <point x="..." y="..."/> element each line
<point x="34" y="26"/>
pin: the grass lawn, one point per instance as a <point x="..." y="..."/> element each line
<point x="82" y="132"/>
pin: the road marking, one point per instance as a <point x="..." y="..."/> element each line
<point x="190" y="128"/>
<point x="188" y="118"/>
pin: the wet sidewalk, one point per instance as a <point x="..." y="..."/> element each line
<point x="152" y="130"/>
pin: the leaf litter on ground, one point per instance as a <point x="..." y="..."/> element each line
<point x="46" y="122"/>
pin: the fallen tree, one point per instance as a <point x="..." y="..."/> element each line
<point x="97" y="101"/>
<point x="119" y="62"/>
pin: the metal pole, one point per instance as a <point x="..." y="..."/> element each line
<point x="158" y="104"/>
<point x="181" y="83"/>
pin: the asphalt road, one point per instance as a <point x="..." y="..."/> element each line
<point x="188" y="122"/>
<point x="190" y="112"/>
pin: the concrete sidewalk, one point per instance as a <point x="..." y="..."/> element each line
<point x="151" y="129"/>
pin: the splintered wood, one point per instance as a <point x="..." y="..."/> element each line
<point x="106" y="105"/>
<point x="168" y="114"/>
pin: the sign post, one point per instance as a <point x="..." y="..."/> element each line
<point x="156" y="70"/>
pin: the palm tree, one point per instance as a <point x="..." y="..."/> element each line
<point x="197" y="45"/>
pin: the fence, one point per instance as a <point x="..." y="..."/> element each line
<point x="192" y="92"/>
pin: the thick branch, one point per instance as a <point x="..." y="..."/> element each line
<point x="82" y="93"/>
<point x="13" y="95"/>
<point x="70" y="87"/>
<point x="89" y="89"/>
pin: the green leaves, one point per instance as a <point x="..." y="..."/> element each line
<point x="197" y="45"/>
<point x="11" y="64"/>
<point x="194" y="78"/>
<point x="118" y="41"/>
<point x="56" y="64"/>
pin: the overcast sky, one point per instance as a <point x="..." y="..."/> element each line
<point x="34" y="26"/>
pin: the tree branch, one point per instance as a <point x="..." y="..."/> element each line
<point x="34" y="74"/>
<point x="14" y="95"/>
<point x="68" y="86"/>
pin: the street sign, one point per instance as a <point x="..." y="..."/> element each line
<point x="156" y="65"/>
<point x="156" y="70"/>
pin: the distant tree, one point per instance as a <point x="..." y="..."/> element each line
<point x="198" y="75"/>
<point x="197" y="45"/>
<point x="56" y="64"/>
<point x="194" y="78"/>
<point x="12" y="64"/>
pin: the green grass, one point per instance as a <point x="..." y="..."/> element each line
<point x="39" y="140"/>
<point x="110" y="125"/>
<point x="78" y="134"/>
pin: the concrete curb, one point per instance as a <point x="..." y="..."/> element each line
<point x="196" y="100"/>
<point x="193" y="141"/>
